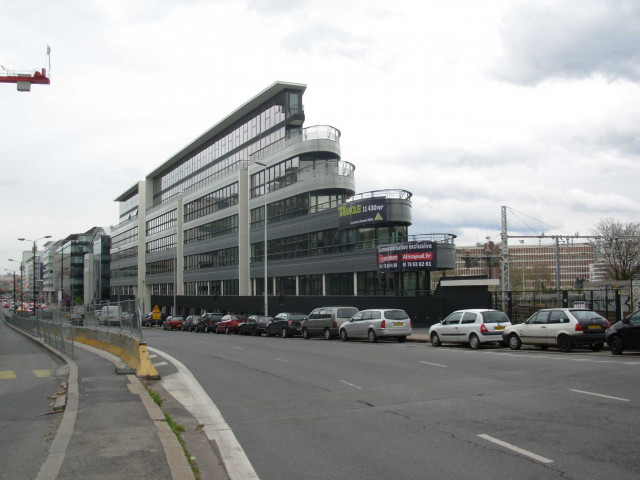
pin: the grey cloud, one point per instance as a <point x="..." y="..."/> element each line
<point x="572" y="40"/>
<point x="326" y="40"/>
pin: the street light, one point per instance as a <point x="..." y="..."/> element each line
<point x="266" y="299"/>
<point x="21" y="284"/>
<point x="35" y="284"/>
<point x="14" y="285"/>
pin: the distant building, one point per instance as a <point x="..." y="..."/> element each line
<point x="531" y="267"/>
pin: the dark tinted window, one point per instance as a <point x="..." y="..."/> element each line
<point x="346" y="312"/>
<point x="494" y="317"/>
<point x="396" y="315"/>
<point x="453" y="318"/>
<point x="586" y="314"/>
<point x="468" y="317"/>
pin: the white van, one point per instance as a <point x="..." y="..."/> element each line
<point x="111" y="315"/>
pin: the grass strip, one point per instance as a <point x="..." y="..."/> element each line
<point x="177" y="430"/>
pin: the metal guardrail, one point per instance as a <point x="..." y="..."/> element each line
<point x="51" y="329"/>
<point x="58" y="327"/>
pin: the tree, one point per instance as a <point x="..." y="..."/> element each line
<point x="617" y="248"/>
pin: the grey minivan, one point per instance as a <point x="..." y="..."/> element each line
<point x="325" y="321"/>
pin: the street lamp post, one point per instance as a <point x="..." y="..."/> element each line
<point x="266" y="282"/>
<point x="35" y="284"/>
<point x="21" y="285"/>
<point x="14" y="284"/>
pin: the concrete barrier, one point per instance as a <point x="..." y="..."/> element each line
<point x="129" y="349"/>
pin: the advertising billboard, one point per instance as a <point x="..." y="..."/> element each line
<point x="407" y="256"/>
<point x="362" y="212"/>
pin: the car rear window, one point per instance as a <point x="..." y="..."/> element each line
<point x="297" y="317"/>
<point x="396" y="315"/>
<point x="586" y="315"/>
<point x="495" y="317"/>
<point x="346" y="312"/>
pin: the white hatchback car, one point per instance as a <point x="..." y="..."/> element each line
<point x="472" y="326"/>
<point x="377" y="323"/>
<point x="564" y="327"/>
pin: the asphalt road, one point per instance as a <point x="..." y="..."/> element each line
<point x="28" y="375"/>
<point x="322" y="409"/>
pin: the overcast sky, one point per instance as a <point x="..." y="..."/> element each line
<point x="469" y="105"/>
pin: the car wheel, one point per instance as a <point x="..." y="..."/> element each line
<point x="615" y="345"/>
<point x="474" y="341"/>
<point x="284" y="333"/>
<point x="373" y="338"/>
<point x="343" y="335"/>
<point x="564" y="343"/>
<point x="327" y="334"/>
<point x="514" y="342"/>
<point x="402" y="339"/>
<point x="256" y="333"/>
<point x="305" y="334"/>
<point x="596" y="347"/>
<point x="435" y="340"/>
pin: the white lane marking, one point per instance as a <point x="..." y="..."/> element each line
<point x="160" y="364"/>
<point x="153" y="356"/>
<point x="547" y="357"/>
<point x="351" y="384"/>
<point x="519" y="450"/>
<point x="434" y="364"/>
<point x="184" y="387"/>
<point x="281" y="360"/>
<point x="239" y="348"/>
<point x="600" y="395"/>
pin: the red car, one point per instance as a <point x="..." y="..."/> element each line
<point x="173" y="322"/>
<point x="229" y="324"/>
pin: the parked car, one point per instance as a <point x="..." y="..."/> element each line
<point x="208" y="321"/>
<point x="190" y="323"/>
<point x="255" y="325"/>
<point x="229" y="324"/>
<point x="76" y="319"/>
<point x="286" y="325"/>
<point x="470" y="326"/>
<point x="377" y="323"/>
<point x="324" y="321"/>
<point x="624" y="335"/>
<point x="564" y="327"/>
<point x="173" y="321"/>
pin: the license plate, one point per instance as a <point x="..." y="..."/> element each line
<point x="594" y="327"/>
<point x="499" y="327"/>
<point x="398" y="324"/>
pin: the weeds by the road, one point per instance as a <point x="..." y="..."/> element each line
<point x="177" y="430"/>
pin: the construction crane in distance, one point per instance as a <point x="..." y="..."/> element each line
<point x="25" y="79"/>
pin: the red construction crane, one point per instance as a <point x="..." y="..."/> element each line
<point x="25" y="79"/>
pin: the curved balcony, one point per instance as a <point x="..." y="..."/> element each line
<point x="388" y="193"/>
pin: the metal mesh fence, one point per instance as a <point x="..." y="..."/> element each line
<point x="521" y="305"/>
<point x="57" y="327"/>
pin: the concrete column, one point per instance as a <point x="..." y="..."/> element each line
<point x="355" y="284"/>
<point x="179" y="248"/>
<point x="145" y="199"/>
<point x="244" y="247"/>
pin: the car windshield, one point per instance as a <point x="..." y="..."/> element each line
<point x="494" y="317"/>
<point x="586" y="315"/>
<point x="347" y="312"/>
<point x="396" y="315"/>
